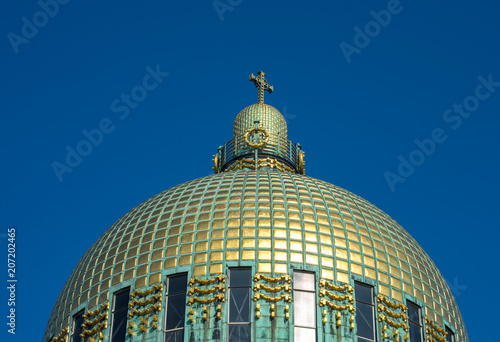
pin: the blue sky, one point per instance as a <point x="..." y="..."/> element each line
<point x="357" y="102"/>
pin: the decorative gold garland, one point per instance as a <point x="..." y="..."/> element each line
<point x="219" y="296"/>
<point x="62" y="337"/>
<point x="285" y="287"/>
<point x="324" y="292"/>
<point x="150" y="300"/>
<point x="158" y="287"/>
<point x="325" y="302"/>
<point x="259" y="276"/>
<point x="220" y="277"/>
<point x="219" y="287"/>
<point x="383" y="318"/>
<point x="324" y="282"/>
<point x="382" y="299"/>
<point x="136" y="312"/>
<point x="285" y="297"/>
<point x="96" y="329"/>
<point x="250" y="163"/>
<point x="381" y="308"/>
<point x="88" y="324"/>
<point x="89" y="314"/>
<point x="435" y="330"/>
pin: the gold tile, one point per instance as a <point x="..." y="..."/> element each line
<point x="311" y="237"/>
<point x="325" y="239"/>
<point x="341" y="253"/>
<point x="202" y="235"/>
<point x="280" y="233"/>
<point x="116" y="280"/>
<point x="382" y="266"/>
<point x="217" y="233"/>
<point x="187" y="248"/>
<point x="370" y="273"/>
<point x="141" y="282"/>
<point x="311" y="248"/>
<point x="342" y="265"/>
<point x="382" y="289"/>
<point x="279" y="222"/>
<point x="280" y="244"/>
<point x="143" y="259"/>
<point x="172" y="241"/>
<point x="93" y="302"/>
<point x="325" y="250"/>
<point x="233" y="243"/>
<point x="200" y="270"/>
<point x="233" y="222"/>
<point x="264" y="267"/>
<point x="141" y="270"/>
<point x="232" y="255"/>
<point x="155" y="266"/>
<point x="145" y="247"/>
<point x="248" y="255"/>
<point x="130" y="263"/>
<point x="310" y="226"/>
<point x="249" y="222"/>
<point x="170" y="262"/>
<point x="280" y="268"/>
<point x="264" y="243"/>
<point x="368" y="261"/>
<point x="264" y="255"/>
<point x="154" y="278"/>
<point x="248" y="243"/>
<point x="408" y="289"/>
<point x="384" y="278"/>
<point x="295" y="246"/>
<point x="216" y="256"/>
<point x="296" y="257"/>
<point x="343" y="277"/>
<point x="128" y="275"/>
<point x="280" y="256"/>
<point x="200" y="246"/>
<point x="216" y="244"/>
<point x="263" y="232"/>
<point x="355" y="257"/>
<point x="200" y="258"/>
<point x="216" y="269"/>
<point x="295" y="235"/>
<point x="248" y="231"/>
<point x="157" y="254"/>
<point x="171" y="251"/>
<point x="396" y="283"/>
<point x="311" y="259"/>
<point x="188" y="237"/>
<point x="185" y="260"/>
<point x="397" y="295"/>
<point x="327" y="274"/>
<point x="326" y="262"/>
<point x="356" y="269"/>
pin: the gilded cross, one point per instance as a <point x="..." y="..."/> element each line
<point x="261" y="84"/>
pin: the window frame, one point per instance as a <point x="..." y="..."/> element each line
<point x="78" y="331"/>
<point x="314" y="304"/>
<point x="451" y="334"/>
<point x="419" y="324"/>
<point x="372" y="305"/>
<point x="229" y="288"/>
<point x="167" y="295"/>
<point x="113" y="312"/>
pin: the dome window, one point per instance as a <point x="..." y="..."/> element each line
<point x="119" y="315"/>
<point x="304" y="297"/>
<point x="415" y="322"/>
<point x="450" y="336"/>
<point x="239" y="304"/>
<point x="176" y="307"/>
<point x="365" y="315"/>
<point x="77" y="326"/>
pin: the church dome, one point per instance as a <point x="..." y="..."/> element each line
<point x="200" y="237"/>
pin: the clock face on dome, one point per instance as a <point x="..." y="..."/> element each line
<point x="256" y="251"/>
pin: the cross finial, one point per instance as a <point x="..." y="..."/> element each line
<point x="261" y="84"/>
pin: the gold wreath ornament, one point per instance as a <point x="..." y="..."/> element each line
<point x="257" y="130"/>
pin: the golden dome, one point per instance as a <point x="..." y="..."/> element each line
<point x="269" y="220"/>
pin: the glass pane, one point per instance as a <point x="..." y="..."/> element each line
<point x="364" y="321"/>
<point x="177" y="284"/>
<point x="175" y="336"/>
<point x="304" y="309"/>
<point x="449" y="337"/>
<point x="363" y="293"/>
<point x="119" y="326"/>
<point x="78" y="321"/>
<point x="176" y="308"/>
<point x="413" y="313"/>
<point x="303" y="281"/>
<point x="239" y="277"/>
<point x="304" y="334"/>
<point x="239" y="333"/>
<point x="239" y="305"/>
<point x="121" y="300"/>
<point x="415" y="333"/>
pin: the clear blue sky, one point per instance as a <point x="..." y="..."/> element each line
<point x="353" y="120"/>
